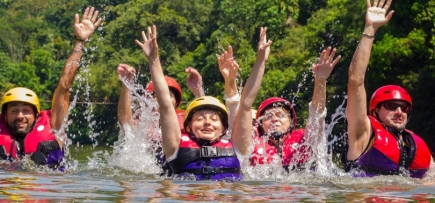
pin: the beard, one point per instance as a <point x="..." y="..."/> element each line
<point x="20" y="132"/>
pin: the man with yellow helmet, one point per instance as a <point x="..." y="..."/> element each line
<point x="27" y="130"/>
<point x="200" y="152"/>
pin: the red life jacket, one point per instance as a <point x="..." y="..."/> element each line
<point x="180" y="116"/>
<point x="41" y="133"/>
<point x="387" y="154"/>
<point x="293" y="150"/>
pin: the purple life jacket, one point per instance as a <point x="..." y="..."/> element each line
<point x="217" y="161"/>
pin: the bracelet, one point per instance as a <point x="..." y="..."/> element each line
<point x="78" y="39"/>
<point x="367" y="35"/>
<point x="76" y="51"/>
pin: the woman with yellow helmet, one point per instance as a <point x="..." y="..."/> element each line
<point x="200" y="152"/>
<point x="27" y="130"/>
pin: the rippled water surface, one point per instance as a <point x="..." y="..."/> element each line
<point x="95" y="180"/>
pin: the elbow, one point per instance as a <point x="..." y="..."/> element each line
<point x="355" y="81"/>
<point x="64" y="84"/>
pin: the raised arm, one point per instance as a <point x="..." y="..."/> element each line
<point x="126" y="74"/>
<point x="242" y="129"/>
<point x="315" y="127"/>
<point x="356" y="110"/>
<point x="171" y="134"/>
<point x="228" y="68"/>
<point x="194" y="82"/>
<point x="82" y="31"/>
<point x="321" y="72"/>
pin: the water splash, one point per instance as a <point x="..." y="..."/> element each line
<point x="139" y="139"/>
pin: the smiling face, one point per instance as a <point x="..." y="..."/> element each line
<point x="394" y="113"/>
<point x="20" y="117"/>
<point x="206" y="124"/>
<point x="275" y="119"/>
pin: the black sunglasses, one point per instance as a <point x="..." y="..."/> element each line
<point x="393" y="105"/>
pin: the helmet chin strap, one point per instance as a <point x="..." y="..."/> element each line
<point x="279" y="135"/>
<point x="391" y="129"/>
<point x="201" y="142"/>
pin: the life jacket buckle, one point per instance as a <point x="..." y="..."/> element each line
<point x="208" y="170"/>
<point x="208" y="151"/>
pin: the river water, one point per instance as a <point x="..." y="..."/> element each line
<point x="93" y="179"/>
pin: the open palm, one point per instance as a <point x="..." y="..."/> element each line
<point x="84" y="29"/>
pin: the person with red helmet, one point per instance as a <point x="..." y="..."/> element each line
<point x="278" y="122"/>
<point x="25" y="129"/>
<point x="276" y="117"/>
<point x="201" y="152"/>
<point x="379" y="144"/>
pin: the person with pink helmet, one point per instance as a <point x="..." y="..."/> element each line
<point x="379" y="143"/>
<point x="276" y="117"/>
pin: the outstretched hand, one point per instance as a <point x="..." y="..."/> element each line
<point x="194" y="81"/>
<point x="125" y="72"/>
<point x="83" y="30"/>
<point x="263" y="45"/>
<point x="324" y="67"/>
<point x="149" y="47"/>
<point x="376" y="14"/>
<point x="227" y="65"/>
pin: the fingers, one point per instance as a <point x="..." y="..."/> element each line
<point x="230" y="51"/>
<point x="187" y="70"/>
<point x="387" y="5"/>
<point x="94" y="15"/>
<point x="154" y="31"/>
<point x="263" y="31"/>
<point x="322" y="56"/>
<point x="381" y="4"/>
<point x="368" y="3"/>
<point x="376" y="3"/>
<point x="98" y="22"/>
<point x="268" y="44"/>
<point x="86" y="13"/>
<point x="388" y="17"/>
<point x="150" y="34"/>
<point x="331" y="56"/>
<point x="220" y="62"/>
<point x="76" y="19"/>
<point x="144" y="37"/>
<point x="138" y="42"/>
<point x="336" y="60"/>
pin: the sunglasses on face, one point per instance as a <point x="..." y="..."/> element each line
<point x="393" y="105"/>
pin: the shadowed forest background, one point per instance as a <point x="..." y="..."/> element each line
<point x="36" y="38"/>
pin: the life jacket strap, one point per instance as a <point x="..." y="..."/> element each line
<point x="208" y="170"/>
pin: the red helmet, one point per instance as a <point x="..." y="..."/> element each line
<point x="173" y="85"/>
<point x="277" y="100"/>
<point x="389" y="92"/>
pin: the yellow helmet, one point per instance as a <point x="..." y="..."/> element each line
<point x="206" y="102"/>
<point x="21" y="94"/>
